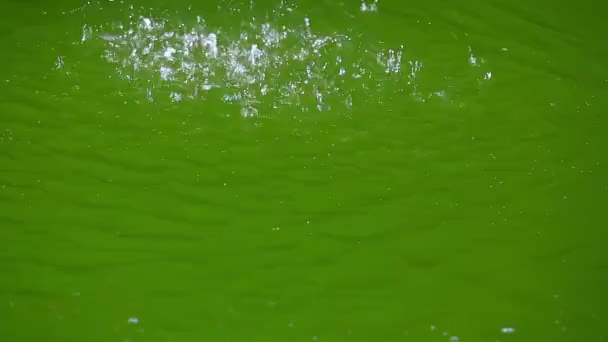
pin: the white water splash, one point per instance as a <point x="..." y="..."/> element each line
<point x="260" y="67"/>
<point x="266" y="66"/>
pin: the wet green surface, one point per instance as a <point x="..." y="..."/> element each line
<point x="424" y="172"/>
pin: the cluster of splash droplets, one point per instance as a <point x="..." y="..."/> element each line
<point x="263" y="66"/>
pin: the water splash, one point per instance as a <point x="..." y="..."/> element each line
<point x="263" y="66"/>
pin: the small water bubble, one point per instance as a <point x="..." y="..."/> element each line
<point x="249" y="112"/>
<point x="507" y="330"/>
<point x="169" y="52"/>
<point x="133" y="320"/>
<point x="472" y="58"/>
<point x="146" y="23"/>
<point x="175" y="97"/>
<point x="369" y="7"/>
<point x="166" y="73"/>
<point x="87" y="32"/>
<point x="59" y="63"/>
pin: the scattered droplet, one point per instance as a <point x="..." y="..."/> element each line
<point x="175" y="97"/>
<point x="369" y="7"/>
<point x="507" y="330"/>
<point x="59" y="63"/>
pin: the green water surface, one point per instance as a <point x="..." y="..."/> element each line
<point x="456" y="193"/>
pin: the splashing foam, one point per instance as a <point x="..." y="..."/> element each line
<point x="263" y="68"/>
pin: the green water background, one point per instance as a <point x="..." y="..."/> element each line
<point x="405" y="221"/>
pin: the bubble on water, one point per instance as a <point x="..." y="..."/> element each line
<point x="166" y="73"/>
<point x="87" y="33"/>
<point x="146" y="24"/>
<point x="249" y="112"/>
<point x="149" y="95"/>
<point x="369" y="7"/>
<point x="59" y="63"/>
<point x="175" y="97"/>
<point x="507" y="330"/>
<point x="391" y="60"/>
<point x="168" y="54"/>
<point x="415" y="67"/>
<point x="472" y="58"/>
<point x="133" y="320"/>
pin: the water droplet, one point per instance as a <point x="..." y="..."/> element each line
<point x="507" y="330"/>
